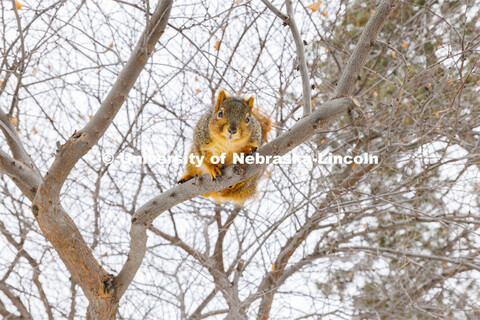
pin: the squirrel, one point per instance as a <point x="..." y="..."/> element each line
<point x="231" y="126"/>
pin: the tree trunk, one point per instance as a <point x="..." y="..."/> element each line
<point x="101" y="309"/>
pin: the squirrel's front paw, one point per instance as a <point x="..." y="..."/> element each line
<point x="185" y="178"/>
<point x="215" y="171"/>
<point x="249" y="150"/>
<point x="252" y="151"/>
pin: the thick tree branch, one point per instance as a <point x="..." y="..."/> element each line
<point x="364" y="46"/>
<point x="56" y="224"/>
<point x="21" y="174"/>
<point x="299" y="133"/>
<point x="82" y="141"/>
<point x="14" y="142"/>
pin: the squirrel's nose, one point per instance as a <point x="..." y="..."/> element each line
<point x="232" y="130"/>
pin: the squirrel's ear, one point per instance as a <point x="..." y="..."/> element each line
<point x="221" y="97"/>
<point x="249" y="101"/>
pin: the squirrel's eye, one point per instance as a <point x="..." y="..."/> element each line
<point x="248" y="120"/>
<point x="220" y="114"/>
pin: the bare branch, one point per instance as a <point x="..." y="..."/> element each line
<point x="363" y="48"/>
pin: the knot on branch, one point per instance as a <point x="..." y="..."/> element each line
<point x="108" y="290"/>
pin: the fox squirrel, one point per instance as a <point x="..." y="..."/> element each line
<point x="232" y="126"/>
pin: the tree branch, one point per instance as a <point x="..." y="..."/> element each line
<point x="82" y="141"/>
<point x="24" y="177"/>
<point x="55" y="223"/>
<point x="364" y="46"/>
<point x="302" y="62"/>
<point x="143" y="218"/>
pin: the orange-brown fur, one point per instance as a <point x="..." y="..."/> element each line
<point x="228" y="133"/>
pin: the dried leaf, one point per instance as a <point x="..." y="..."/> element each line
<point x="15" y="121"/>
<point x="314" y="7"/>
<point x="322" y="141"/>
<point x="273" y="266"/>
<point x="354" y="166"/>
<point x="429" y="85"/>
<point x="394" y="54"/>
<point x="35" y="131"/>
<point x="217" y="45"/>
<point x="404" y="45"/>
<point x="325" y="14"/>
<point x="18" y="5"/>
<point x="111" y="45"/>
<point x="198" y="90"/>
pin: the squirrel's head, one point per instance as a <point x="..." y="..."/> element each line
<point x="232" y="119"/>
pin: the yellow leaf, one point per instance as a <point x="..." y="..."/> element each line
<point x="198" y="90"/>
<point x="19" y="131"/>
<point x="429" y="85"/>
<point x="375" y="94"/>
<point x="314" y="6"/>
<point x="196" y="79"/>
<point x="90" y="117"/>
<point x="34" y="71"/>
<point x="18" y="5"/>
<point x="1" y="82"/>
<point x="350" y="274"/>
<point x="372" y="12"/>
<point x="217" y="45"/>
<point x="354" y="165"/>
<point x="444" y="232"/>
<point x="15" y="121"/>
<point x="436" y="113"/>
<point x="394" y="54"/>
<point x="35" y="131"/>
<point x="111" y="45"/>
<point x="154" y="121"/>
<point x="322" y="141"/>
<point x="325" y="14"/>
<point x="404" y="45"/>
<point x="450" y="80"/>
<point x="273" y="266"/>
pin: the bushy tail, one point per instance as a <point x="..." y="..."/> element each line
<point x="265" y="122"/>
